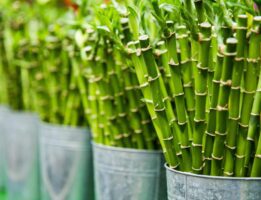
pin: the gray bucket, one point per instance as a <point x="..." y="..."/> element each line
<point x="129" y="174"/>
<point x="21" y="156"/>
<point x="66" y="163"/>
<point x="3" y="113"/>
<point x="187" y="186"/>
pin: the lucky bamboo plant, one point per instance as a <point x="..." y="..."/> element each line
<point x="197" y="66"/>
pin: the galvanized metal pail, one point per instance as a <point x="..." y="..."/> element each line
<point x="66" y="163"/>
<point x="187" y="186"/>
<point x="128" y="174"/>
<point x="21" y="156"/>
<point x="3" y="113"/>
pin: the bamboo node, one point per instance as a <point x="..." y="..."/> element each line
<point x="181" y="36"/>
<point x="138" y="131"/>
<point x="182" y="123"/>
<point x="179" y="94"/>
<point x="229" y="147"/>
<point x="144" y="85"/>
<point x="238" y="59"/>
<point x="221" y="134"/>
<point x="200" y="93"/>
<point x="184" y="147"/>
<point x="249" y="92"/>
<point x="107" y="97"/>
<point x="145" y="121"/>
<point x="235" y="88"/>
<point x="208" y="158"/>
<point x="222" y="108"/>
<point x="258" y="156"/>
<point x="168" y="139"/>
<point x="111" y="118"/>
<point x="240" y="156"/>
<point x="112" y="72"/>
<point x="226" y="83"/>
<point x="128" y="88"/>
<point x="185" y="61"/>
<point x="196" y="145"/>
<point x="172" y="63"/>
<point x="101" y="125"/>
<point x="243" y="125"/>
<point x="146" y="48"/>
<point x="126" y="135"/>
<point x="122" y="114"/>
<point x="211" y="134"/>
<point x="178" y="153"/>
<point x="118" y="137"/>
<point x="134" y="110"/>
<point x="159" y="109"/>
<point x="228" y="173"/>
<point x="200" y="67"/>
<point x="188" y="85"/>
<point x="230" y="54"/>
<point x="217" y="158"/>
<point x="199" y="120"/>
<point x="254" y="114"/>
<point x="198" y="169"/>
<point x="166" y="98"/>
<point x="174" y="167"/>
<point x="250" y="139"/>
<point x="235" y="118"/>
<point x="252" y="60"/>
<point x="154" y="118"/>
<point x="150" y="79"/>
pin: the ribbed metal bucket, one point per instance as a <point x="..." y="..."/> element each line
<point x="128" y="174"/>
<point x="3" y="113"/>
<point x="21" y="156"/>
<point x="66" y="163"/>
<point x="187" y="186"/>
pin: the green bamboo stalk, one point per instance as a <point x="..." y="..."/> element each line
<point x="211" y="124"/>
<point x="186" y="68"/>
<point x="200" y="11"/>
<point x="255" y="172"/>
<point x="250" y="84"/>
<point x="178" y="94"/>
<point x="163" y="132"/>
<point x="201" y="72"/>
<point x="253" y="124"/>
<point x="222" y="107"/>
<point x="234" y="98"/>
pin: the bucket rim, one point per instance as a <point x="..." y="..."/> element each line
<point x="23" y="112"/>
<point x="212" y="177"/>
<point x="122" y="149"/>
<point x="62" y="126"/>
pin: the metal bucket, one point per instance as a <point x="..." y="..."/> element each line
<point x="66" y="163"/>
<point x="3" y="113"/>
<point x="128" y="174"/>
<point x="187" y="186"/>
<point x="21" y="156"/>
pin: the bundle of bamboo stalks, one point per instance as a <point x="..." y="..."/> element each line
<point x="197" y="67"/>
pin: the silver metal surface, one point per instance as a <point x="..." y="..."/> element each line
<point x="3" y="112"/>
<point x="128" y="174"/>
<point x="187" y="186"/>
<point x="66" y="163"/>
<point x="21" y="155"/>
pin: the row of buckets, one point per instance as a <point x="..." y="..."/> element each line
<point x="51" y="162"/>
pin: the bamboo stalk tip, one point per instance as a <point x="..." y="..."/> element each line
<point x="144" y="37"/>
<point x="231" y="41"/>
<point x="205" y="25"/>
<point x="124" y="20"/>
<point x="257" y="18"/>
<point x="242" y="16"/>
